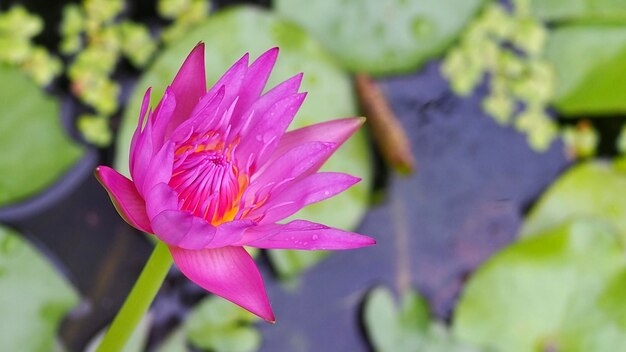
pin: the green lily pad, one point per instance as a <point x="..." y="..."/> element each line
<point x="33" y="296"/>
<point x="382" y="37"/>
<point x="215" y="325"/>
<point x="579" y="10"/>
<point x="218" y="325"/>
<point x="176" y="341"/>
<point x="553" y="292"/>
<point x="395" y="329"/>
<point x="592" y="189"/>
<point x="228" y="35"/>
<point x="589" y="69"/>
<point x="407" y="328"/>
<point x="35" y="149"/>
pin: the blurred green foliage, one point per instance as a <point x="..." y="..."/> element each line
<point x="185" y="14"/>
<point x="35" y="297"/>
<point x="215" y="325"/>
<point x="407" y="328"/>
<point x="18" y="27"/>
<point x="558" y="290"/>
<point x="95" y="37"/>
<point x="506" y="47"/>
<point x="382" y="37"/>
<point x="36" y="150"/>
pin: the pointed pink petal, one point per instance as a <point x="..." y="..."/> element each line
<point x="264" y="137"/>
<point x="181" y="229"/>
<point x="159" y="170"/>
<point x="202" y="117"/>
<point x="230" y="232"/>
<point x="335" y="131"/>
<point x="311" y="189"/>
<point x="305" y="235"/>
<point x="228" y="272"/>
<point x="255" y="80"/>
<point x="232" y="81"/>
<point x="125" y="197"/>
<point x="137" y="133"/>
<point x="246" y="122"/>
<point x="189" y="85"/>
<point x="297" y="163"/>
<point x="143" y="152"/>
<point x="160" y="198"/>
<point x="162" y="117"/>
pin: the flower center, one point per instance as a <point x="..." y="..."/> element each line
<point x="207" y="181"/>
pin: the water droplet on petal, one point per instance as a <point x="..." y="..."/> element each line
<point x="315" y="237"/>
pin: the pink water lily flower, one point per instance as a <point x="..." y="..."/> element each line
<point x="213" y="171"/>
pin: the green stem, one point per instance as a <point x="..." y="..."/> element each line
<point x="139" y="300"/>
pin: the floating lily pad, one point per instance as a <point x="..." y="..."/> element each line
<point x="35" y="149"/>
<point x="579" y="10"/>
<point x="592" y="189"/>
<point x="215" y="325"/>
<point x="589" y="62"/>
<point x="220" y="326"/>
<point x="33" y="296"/>
<point x="555" y="292"/>
<point x="392" y="328"/>
<point x="382" y="37"/>
<point x="228" y="35"/>
<point x="407" y="328"/>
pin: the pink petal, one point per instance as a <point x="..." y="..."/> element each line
<point x="297" y="163"/>
<point x="309" y="190"/>
<point x="189" y="85"/>
<point x="137" y="133"/>
<point x="246" y="122"/>
<point x="335" y="131"/>
<point x="162" y="117"/>
<point x="182" y="229"/>
<point x="232" y="80"/>
<point x="255" y="80"/>
<point x="301" y="234"/>
<point x="202" y="118"/>
<point x="142" y="152"/>
<point x="264" y="137"/>
<point x="160" y="198"/>
<point x="125" y="197"/>
<point x="229" y="272"/>
<point x="159" y="170"/>
<point x="230" y="232"/>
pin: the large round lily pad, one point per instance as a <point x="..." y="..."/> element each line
<point x="382" y="37"/>
<point x="592" y="189"/>
<point x="589" y="62"/>
<point x="561" y="291"/>
<point x="580" y="10"/>
<point x="35" y="150"/>
<point x="33" y="296"/>
<point x="231" y="33"/>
